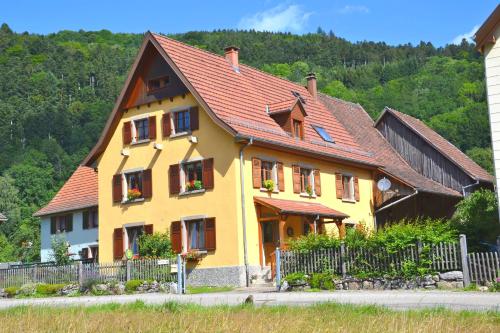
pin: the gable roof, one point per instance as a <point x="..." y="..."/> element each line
<point x="236" y="100"/>
<point x="300" y="207"/>
<point x="3" y="218"/>
<point x="79" y="191"/>
<point x="442" y="145"/>
<point x="485" y="34"/>
<point x="362" y="127"/>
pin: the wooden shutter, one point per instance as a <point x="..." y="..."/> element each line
<point x="68" y="221"/>
<point x="117" y="188"/>
<point x="356" y="188"/>
<point x="127" y="132"/>
<point x="166" y="126"/>
<point x="338" y="185"/>
<point x="317" y="182"/>
<point x="194" y="118"/>
<point x="152" y="127"/>
<point x="176" y="236"/>
<point x="147" y="184"/>
<point x="281" y="176"/>
<point x="118" y="244"/>
<point x="208" y="173"/>
<point x="174" y="179"/>
<point x="148" y="229"/>
<point x="85" y="218"/>
<point x="256" y="172"/>
<point x="210" y="239"/>
<point x="53" y="227"/>
<point x="296" y="178"/>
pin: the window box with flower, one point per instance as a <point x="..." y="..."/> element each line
<point x="133" y="194"/>
<point x="194" y="185"/>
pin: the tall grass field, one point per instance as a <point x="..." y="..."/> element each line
<point x="174" y="317"/>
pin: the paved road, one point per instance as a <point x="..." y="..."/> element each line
<point x="391" y="299"/>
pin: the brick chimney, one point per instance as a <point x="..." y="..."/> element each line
<point x="311" y="84"/>
<point x="231" y="53"/>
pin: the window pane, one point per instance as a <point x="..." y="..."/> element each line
<point x="305" y="178"/>
<point x="266" y="171"/>
<point x="142" y="129"/>
<point x="182" y="122"/>
<point x="322" y="132"/>
<point x="196" y="236"/>
<point x="347" y="187"/>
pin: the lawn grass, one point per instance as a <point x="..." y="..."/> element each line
<point x="207" y="289"/>
<point x="175" y="317"/>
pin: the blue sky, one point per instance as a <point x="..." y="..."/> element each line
<point x="392" y="21"/>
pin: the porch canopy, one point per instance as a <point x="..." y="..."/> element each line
<point x="301" y="208"/>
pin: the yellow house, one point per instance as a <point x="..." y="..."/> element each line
<point x="231" y="161"/>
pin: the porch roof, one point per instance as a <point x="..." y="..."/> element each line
<point x="293" y="207"/>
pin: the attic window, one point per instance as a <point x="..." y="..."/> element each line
<point x="323" y="133"/>
<point x="298" y="129"/>
<point x="157" y="83"/>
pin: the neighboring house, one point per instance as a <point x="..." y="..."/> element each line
<point x="428" y="174"/>
<point x="3" y="218"/>
<point x="486" y="42"/>
<point x="72" y="212"/>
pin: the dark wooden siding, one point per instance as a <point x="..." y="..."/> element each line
<point x="421" y="156"/>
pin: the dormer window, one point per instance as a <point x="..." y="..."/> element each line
<point x="298" y="129"/>
<point x="157" y="83"/>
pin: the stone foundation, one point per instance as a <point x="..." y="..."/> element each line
<point x="219" y="276"/>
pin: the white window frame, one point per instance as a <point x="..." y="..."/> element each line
<point x="311" y="180"/>
<point x="125" y="233"/>
<point x="125" y="184"/>
<point x="173" y="130"/>
<point x="274" y="175"/>
<point x="133" y="129"/>
<point x="182" y="175"/>
<point x="184" y="231"/>
<point x="351" y="183"/>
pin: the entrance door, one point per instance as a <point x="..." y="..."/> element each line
<point x="270" y="240"/>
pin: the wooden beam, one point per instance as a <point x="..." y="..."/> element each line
<point x="281" y="229"/>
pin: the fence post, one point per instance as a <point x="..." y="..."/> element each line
<point x="129" y="269"/>
<point x="343" y="267"/>
<point x="278" y="268"/>
<point x="80" y="273"/>
<point x="33" y="274"/>
<point x="184" y="277"/>
<point x="179" y="274"/>
<point x="465" y="264"/>
<point x="419" y="249"/>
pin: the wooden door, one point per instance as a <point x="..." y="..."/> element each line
<point x="270" y="240"/>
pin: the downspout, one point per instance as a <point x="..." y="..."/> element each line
<point x="243" y="211"/>
<point x="467" y="186"/>
<point x="396" y="202"/>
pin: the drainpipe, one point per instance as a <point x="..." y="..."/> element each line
<point x="397" y="201"/>
<point x="467" y="186"/>
<point x="243" y="211"/>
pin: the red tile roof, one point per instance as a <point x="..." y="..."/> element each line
<point x="79" y="191"/>
<point x="300" y="207"/>
<point x="454" y="154"/>
<point x="361" y="126"/>
<point x="239" y="99"/>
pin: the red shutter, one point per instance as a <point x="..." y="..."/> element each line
<point x="194" y="118"/>
<point x="127" y="133"/>
<point x="118" y="244"/>
<point x="147" y="184"/>
<point x="166" y="126"/>
<point x="338" y="185"/>
<point x="176" y="236"/>
<point x="210" y="239"/>
<point x="53" y="227"/>
<point x="281" y="176"/>
<point x="152" y="127"/>
<point x="317" y="183"/>
<point x="85" y="218"/>
<point x="296" y="178"/>
<point x="148" y="229"/>
<point x="256" y="171"/>
<point x="117" y="188"/>
<point x="356" y="188"/>
<point x="208" y="173"/>
<point x="174" y="179"/>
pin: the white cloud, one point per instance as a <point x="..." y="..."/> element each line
<point x="349" y="9"/>
<point x="281" y="18"/>
<point x="468" y="36"/>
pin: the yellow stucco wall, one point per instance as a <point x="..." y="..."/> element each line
<point x="224" y="201"/>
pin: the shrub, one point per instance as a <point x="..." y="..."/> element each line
<point x="49" y="289"/>
<point x="28" y="289"/>
<point x="156" y="245"/>
<point x="88" y="284"/>
<point x="296" y="279"/>
<point x="60" y="250"/>
<point x="132" y="285"/>
<point x="313" y="242"/>
<point x="11" y="291"/>
<point x="322" y="281"/>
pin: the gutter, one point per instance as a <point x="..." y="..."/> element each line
<point x="397" y="201"/>
<point x="243" y="211"/>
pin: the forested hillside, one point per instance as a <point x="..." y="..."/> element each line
<point x="57" y="90"/>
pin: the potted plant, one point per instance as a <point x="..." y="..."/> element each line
<point x="194" y="185"/>
<point x="133" y="194"/>
<point x="194" y="255"/>
<point x="269" y="185"/>
<point x="309" y="190"/>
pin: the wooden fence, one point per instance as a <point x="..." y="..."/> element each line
<point x="343" y="260"/>
<point x="164" y="270"/>
<point x="483" y="266"/>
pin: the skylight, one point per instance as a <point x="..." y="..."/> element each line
<point x="323" y="133"/>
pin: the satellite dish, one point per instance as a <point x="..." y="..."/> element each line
<point x="384" y="184"/>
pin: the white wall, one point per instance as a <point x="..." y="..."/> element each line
<point x="78" y="238"/>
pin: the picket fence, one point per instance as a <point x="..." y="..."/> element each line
<point x="484" y="267"/>
<point x="164" y="270"/>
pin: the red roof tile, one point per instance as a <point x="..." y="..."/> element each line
<point x="300" y="207"/>
<point x="79" y="191"/>
<point x="442" y="145"/>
